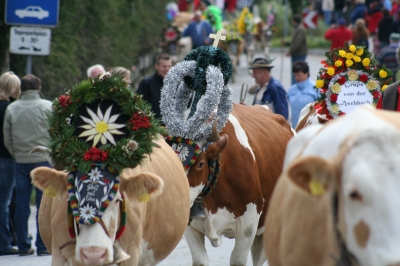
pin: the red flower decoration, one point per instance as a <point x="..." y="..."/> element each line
<point x="376" y="94"/>
<point x="64" y="101"/>
<point x="139" y="121"/>
<point x="363" y="78"/>
<point x="342" y="80"/>
<point x="333" y="97"/>
<point x="96" y="155"/>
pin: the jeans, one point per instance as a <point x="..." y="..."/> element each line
<point x="7" y="183"/>
<point x="22" y="211"/>
<point x="298" y="58"/>
<point x="328" y="17"/>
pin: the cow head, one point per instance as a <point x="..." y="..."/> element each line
<point x="365" y="175"/>
<point x="199" y="171"/>
<point x="94" y="242"/>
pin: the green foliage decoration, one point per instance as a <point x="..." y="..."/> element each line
<point x="68" y="149"/>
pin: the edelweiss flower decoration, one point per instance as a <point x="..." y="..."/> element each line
<point x="87" y="212"/>
<point x="95" y="175"/>
<point x="101" y="127"/>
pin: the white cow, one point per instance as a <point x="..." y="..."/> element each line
<point x="354" y="159"/>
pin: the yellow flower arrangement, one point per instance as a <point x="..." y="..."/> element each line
<point x="335" y="108"/>
<point x="352" y="75"/>
<point x="352" y="48"/>
<point x="349" y="63"/>
<point x="360" y="51"/>
<point x="319" y="83"/>
<point x="356" y="58"/>
<point x="366" y="62"/>
<point x="384" y="87"/>
<point x="245" y="23"/>
<point x="382" y="73"/>
<point x="330" y="71"/>
<point x="349" y="56"/>
<point x="338" y="63"/>
<point x="371" y="85"/>
<point x="342" y="53"/>
<point x="336" y="88"/>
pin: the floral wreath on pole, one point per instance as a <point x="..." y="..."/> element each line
<point x="350" y="77"/>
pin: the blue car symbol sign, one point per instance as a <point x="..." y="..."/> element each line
<point x="33" y="12"/>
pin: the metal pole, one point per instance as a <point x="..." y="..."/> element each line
<point x="28" y="65"/>
<point x="285" y="31"/>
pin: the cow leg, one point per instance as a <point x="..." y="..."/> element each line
<point x="257" y="251"/>
<point x="195" y="240"/>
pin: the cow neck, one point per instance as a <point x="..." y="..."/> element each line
<point x="346" y="258"/>
<point x="214" y="169"/>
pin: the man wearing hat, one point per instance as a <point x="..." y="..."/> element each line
<point x="270" y="91"/>
<point x="387" y="56"/>
<point x="338" y="35"/>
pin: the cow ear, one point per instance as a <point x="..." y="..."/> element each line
<point x="216" y="148"/>
<point x="135" y="187"/>
<point x="312" y="174"/>
<point x="47" y="178"/>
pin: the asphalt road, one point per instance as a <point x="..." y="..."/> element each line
<point x="181" y="255"/>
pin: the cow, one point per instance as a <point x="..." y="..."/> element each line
<point x="309" y="116"/>
<point x="251" y="151"/>
<point x="153" y="228"/>
<point x="337" y="200"/>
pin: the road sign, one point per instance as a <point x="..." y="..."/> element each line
<point x="30" y="41"/>
<point x="32" y="12"/>
<point x="310" y="19"/>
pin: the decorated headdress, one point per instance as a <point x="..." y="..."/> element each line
<point x="98" y="128"/>
<point x="196" y="94"/>
<point x="350" y="77"/>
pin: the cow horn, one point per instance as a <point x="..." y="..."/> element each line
<point x="215" y="135"/>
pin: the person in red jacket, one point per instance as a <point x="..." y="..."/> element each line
<point x="338" y="36"/>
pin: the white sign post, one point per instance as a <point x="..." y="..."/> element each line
<point x="30" y="41"/>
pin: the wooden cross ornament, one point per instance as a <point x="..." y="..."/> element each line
<point x="216" y="38"/>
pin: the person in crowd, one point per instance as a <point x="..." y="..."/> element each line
<point x="338" y="35"/>
<point x="374" y="16"/>
<point x="327" y="7"/>
<point x="95" y="71"/>
<point x="199" y="31"/>
<point x="390" y="99"/>
<point x="240" y="4"/>
<point x="360" y="11"/>
<point x="270" y="91"/>
<point x="347" y="10"/>
<point x="9" y="88"/>
<point x="338" y="11"/>
<point x="298" y="44"/>
<point x="360" y="34"/>
<point x="150" y="87"/>
<point x="25" y="127"/>
<point x="388" y="55"/>
<point x="302" y="92"/>
<point x="125" y="73"/>
<point x="385" y="28"/>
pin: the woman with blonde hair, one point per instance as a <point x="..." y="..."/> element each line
<point x="360" y="33"/>
<point x="125" y="73"/>
<point x="9" y="88"/>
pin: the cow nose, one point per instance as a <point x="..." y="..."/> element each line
<point x="93" y="256"/>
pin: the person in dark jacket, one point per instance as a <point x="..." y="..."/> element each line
<point x="199" y="31"/>
<point x="150" y="87"/>
<point x="360" y="10"/>
<point x="385" y="28"/>
<point x="270" y="91"/>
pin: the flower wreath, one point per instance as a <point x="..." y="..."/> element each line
<point x="186" y="149"/>
<point x="350" y="63"/>
<point x="101" y="122"/>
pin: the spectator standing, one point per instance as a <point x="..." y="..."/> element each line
<point x="25" y="127"/>
<point x="9" y="88"/>
<point x="270" y="91"/>
<point x="199" y="31"/>
<point x="124" y="73"/>
<point x="338" y="12"/>
<point x="360" y="11"/>
<point x="347" y="10"/>
<point x="298" y="44"/>
<point x="385" y="28"/>
<point x="150" y="87"/>
<point x="338" y="35"/>
<point x="95" y="71"/>
<point x="301" y="93"/>
<point x="327" y="7"/>
<point x="360" y="33"/>
<point x="387" y="56"/>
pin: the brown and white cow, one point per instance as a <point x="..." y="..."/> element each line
<point x="337" y="201"/>
<point x="309" y="116"/>
<point x="251" y="149"/>
<point x="153" y="228"/>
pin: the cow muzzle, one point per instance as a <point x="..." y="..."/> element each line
<point x="94" y="256"/>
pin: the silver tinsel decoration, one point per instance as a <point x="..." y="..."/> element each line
<point x="175" y="97"/>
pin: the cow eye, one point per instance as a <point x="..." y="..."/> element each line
<point x="201" y="165"/>
<point x="355" y="195"/>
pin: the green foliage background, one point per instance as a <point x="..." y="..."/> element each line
<point x="111" y="33"/>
